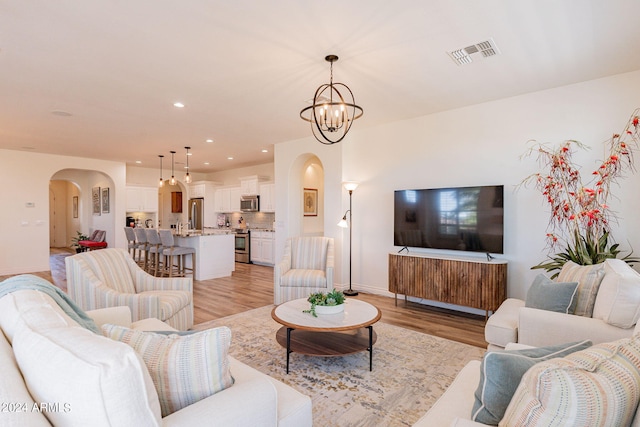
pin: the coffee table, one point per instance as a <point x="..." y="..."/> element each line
<point x="328" y="334"/>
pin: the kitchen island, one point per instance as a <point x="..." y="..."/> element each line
<point x="215" y="253"/>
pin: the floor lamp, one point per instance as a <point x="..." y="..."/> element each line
<point x="349" y="186"/>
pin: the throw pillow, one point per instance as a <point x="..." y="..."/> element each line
<point x="184" y="369"/>
<point x="500" y="374"/>
<point x="599" y="386"/>
<point x="546" y="294"/>
<point x="589" y="278"/>
<point x="618" y="300"/>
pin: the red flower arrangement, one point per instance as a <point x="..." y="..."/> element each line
<point x="580" y="216"/>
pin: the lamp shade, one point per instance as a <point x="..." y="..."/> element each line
<point x="350" y="185"/>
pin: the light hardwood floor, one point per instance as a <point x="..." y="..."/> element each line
<point x="251" y="286"/>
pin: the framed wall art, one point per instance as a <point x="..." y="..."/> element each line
<point x="310" y="200"/>
<point x="105" y="200"/>
<point x="75" y="206"/>
<point x="95" y="200"/>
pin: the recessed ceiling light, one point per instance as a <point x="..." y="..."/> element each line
<point x="265" y="150"/>
<point x="138" y="161"/>
<point x="209" y="141"/>
<point x="207" y="163"/>
<point x="178" y="104"/>
<point x="229" y="158"/>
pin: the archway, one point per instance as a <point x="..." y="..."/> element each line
<point x="306" y="171"/>
<point x="74" y="207"/>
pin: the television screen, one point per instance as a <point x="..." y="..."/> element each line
<point x="461" y="218"/>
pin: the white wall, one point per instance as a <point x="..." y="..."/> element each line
<point x="24" y="217"/>
<point x="477" y="145"/>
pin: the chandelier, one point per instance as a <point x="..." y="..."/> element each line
<point x="331" y="115"/>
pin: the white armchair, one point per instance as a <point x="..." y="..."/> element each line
<point x="306" y="267"/>
<point x="110" y="278"/>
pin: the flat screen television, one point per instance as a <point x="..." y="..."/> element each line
<point x="459" y="218"/>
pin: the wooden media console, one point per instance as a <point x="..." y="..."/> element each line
<point x="468" y="282"/>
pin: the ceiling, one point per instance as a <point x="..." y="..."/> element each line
<point x="99" y="78"/>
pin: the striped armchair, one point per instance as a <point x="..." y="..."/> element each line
<point x="306" y="267"/>
<point x="110" y="278"/>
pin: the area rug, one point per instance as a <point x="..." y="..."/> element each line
<point x="410" y="371"/>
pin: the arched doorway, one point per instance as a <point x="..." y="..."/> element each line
<point x="73" y="210"/>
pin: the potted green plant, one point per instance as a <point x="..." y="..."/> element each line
<point x="75" y="240"/>
<point x="329" y="303"/>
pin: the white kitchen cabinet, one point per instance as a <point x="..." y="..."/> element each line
<point x="142" y="199"/>
<point x="267" y="197"/>
<point x="263" y="247"/>
<point x="250" y="184"/>
<point x="197" y="190"/>
<point x="227" y="200"/>
<point x="234" y="195"/>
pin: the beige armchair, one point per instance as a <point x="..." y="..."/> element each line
<point x="111" y="278"/>
<point x="306" y="267"/>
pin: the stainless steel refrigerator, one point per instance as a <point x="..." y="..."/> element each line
<point x="196" y="213"/>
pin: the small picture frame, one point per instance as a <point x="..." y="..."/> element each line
<point x="95" y="200"/>
<point x="310" y="202"/>
<point x="105" y="200"/>
<point x="75" y="206"/>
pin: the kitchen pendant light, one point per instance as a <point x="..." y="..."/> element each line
<point x="187" y="177"/>
<point x="161" y="183"/>
<point x="172" y="181"/>
<point x="331" y="115"/>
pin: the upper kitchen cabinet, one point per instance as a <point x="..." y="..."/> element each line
<point x="249" y="185"/>
<point x="203" y="189"/>
<point x="142" y="199"/>
<point x="227" y="200"/>
<point x="267" y="197"/>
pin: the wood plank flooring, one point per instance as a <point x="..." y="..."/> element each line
<point x="251" y="286"/>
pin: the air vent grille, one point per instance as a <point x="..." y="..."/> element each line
<point x="486" y="48"/>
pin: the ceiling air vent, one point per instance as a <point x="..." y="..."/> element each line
<point x="485" y="48"/>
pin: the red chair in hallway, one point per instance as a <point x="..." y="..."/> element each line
<point x="95" y="241"/>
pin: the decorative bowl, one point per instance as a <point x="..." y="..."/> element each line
<point x="329" y="309"/>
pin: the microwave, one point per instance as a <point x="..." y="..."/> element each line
<point x="250" y="203"/>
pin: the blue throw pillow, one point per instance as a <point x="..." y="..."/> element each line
<point x="500" y="374"/>
<point x="546" y="294"/>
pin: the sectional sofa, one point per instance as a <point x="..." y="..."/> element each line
<point x="56" y="372"/>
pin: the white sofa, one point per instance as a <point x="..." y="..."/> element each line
<point x="616" y="308"/>
<point x="454" y="408"/>
<point x="55" y="372"/>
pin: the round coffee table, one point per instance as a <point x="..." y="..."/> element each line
<point x="328" y="334"/>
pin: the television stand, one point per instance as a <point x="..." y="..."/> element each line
<point x="469" y="282"/>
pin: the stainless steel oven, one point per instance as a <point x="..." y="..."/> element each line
<point x="242" y="246"/>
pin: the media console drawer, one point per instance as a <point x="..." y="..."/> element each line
<point x="471" y="283"/>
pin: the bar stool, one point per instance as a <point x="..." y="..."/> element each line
<point x="143" y="248"/>
<point x="170" y="250"/>
<point x="154" y="266"/>
<point x="131" y="241"/>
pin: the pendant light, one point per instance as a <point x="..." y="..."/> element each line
<point x="333" y="110"/>
<point x="161" y="183"/>
<point x="172" y="181"/>
<point x="187" y="177"/>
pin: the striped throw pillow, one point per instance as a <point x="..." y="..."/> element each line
<point x="184" y="368"/>
<point x="589" y="278"/>
<point x="599" y="386"/>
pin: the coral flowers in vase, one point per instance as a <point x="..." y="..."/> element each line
<point x="580" y="213"/>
